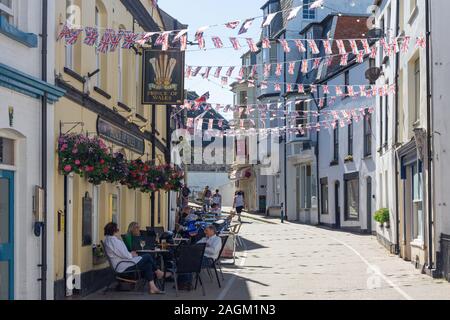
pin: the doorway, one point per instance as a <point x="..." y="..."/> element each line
<point x="337" y="204"/>
<point x="369" y="204"/>
<point x="6" y="235"/>
<point x="68" y="231"/>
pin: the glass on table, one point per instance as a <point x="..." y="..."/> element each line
<point x="142" y="243"/>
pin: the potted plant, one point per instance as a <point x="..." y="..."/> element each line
<point x="382" y="217"/>
<point x="98" y="255"/>
<point x="348" y="158"/>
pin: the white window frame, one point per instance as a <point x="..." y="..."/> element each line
<point x="10" y="11"/>
<point x="68" y="49"/>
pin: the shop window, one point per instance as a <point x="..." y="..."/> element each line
<point x="352" y="197"/>
<point x="6" y="151"/>
<point x="418" y="217"/>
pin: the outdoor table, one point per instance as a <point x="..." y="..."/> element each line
<point x="152" y="251"/>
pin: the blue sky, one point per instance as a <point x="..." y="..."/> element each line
<point x="198" y="13"/>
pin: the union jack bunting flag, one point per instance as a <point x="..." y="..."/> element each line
<point x="279" y="69"/>
<point x="143" y="38"/>
<point x="394" y="46"/>
<point x="313" y="88"/>
<point x="154" y="3"/>
<point x="91" y="36"/>
<point x="354" y="47"/>
<point x="328" y="61"/>
<point x="293" y="13"/>
<point x="245" y="26"/>
<point x="285" y="45"/>
<point x="300" y="45"/>
<point x="188" y="72"/>
<point x="386" y="48"/>
<point x="73" y="37"/>
<point x="360" y="57"/>
<point x="163" y="40"/>
<point x="254" y="71"/>
<point x="291" y="69"/>
<point x="405" y="44"/>
<point x="313" y="46"/>
<point x="366" y="46"/>
<point x="316" y="63"/>
<point x="206" y="73"/>
<point x="115" y="41"/>
<point x="267" y="68"/>
<point x="305" y="66"/>
<point x="301" y="88"/>
<point x="338" y="91"/>
<point x="196" y="71"/>
<point x="65" y="32"/>
<point x="344" y="59"/>
<point x="241" y="73"/>
<point x="103" y="47"/>
<point x="200" y="39"/>
<point x="362" y="91"/>
<point x="230" y="71"/>
<point x="341" y="46"/>
<point x="326" y="89"/>
<point x="327" y="46"/>
<point x="351" y="91"/>
<point x="217" y="42"/>
<point x="263" y="85"/>
<point x="183" y="42"/>
<point x="268" y="19"/>
<point x="232" y="24"/>
<point x="421" y="42"/>
<point x="266" y="43"/>
<point x="289" y="87"/>
<point x="129" y="38"/>
<point x="235" y="43"/>
<point x="373" y="52"/>
<point x="277" y="87"/>
<point x="217" y="73"/>
<point x="251" y="44"/>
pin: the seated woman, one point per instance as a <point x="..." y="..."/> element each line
<point x="216" y="209"/>
<point x="134" y="232"/>
<point x="123" y="261"/>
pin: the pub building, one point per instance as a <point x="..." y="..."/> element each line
<point x="108" y="97"/>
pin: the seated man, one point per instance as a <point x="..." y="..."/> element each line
<point x="215" y="209"/>
<point x="123" y="261"/>
<point x="213" y="246"/>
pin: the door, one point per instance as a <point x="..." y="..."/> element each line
<point x="298" y="192"/>
<point x="68" y="231"/>
<point x="337" y="204"/>
<point x="369" y="204"/>
<point x="6" y="235"/>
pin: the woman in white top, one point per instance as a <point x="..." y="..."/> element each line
<point x="122" y="260"/>
<point x="239" y="203"/>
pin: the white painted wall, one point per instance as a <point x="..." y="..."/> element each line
<point x="26" y="131"/>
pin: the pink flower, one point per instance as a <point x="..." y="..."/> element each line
<point x="77" y="162"/>
<point x="75" y="151"/>
<point x="68" y="168"/>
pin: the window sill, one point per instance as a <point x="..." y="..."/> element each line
<point x="368" y="157"/>
<point x="74" y="75"/>
<point x="28" y="39"/>
<point x="334" y="163"/>
<point x="102" y="93"/>
<point x="418" y="243"/>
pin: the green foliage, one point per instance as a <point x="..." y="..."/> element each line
<point x="382" y="215"/>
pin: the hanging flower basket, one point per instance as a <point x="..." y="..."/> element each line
<point x="118" y="169"/>
<point x="85" y="156"/>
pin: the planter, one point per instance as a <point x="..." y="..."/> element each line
<point x="387" y="225"/>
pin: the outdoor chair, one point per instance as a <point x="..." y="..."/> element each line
<point x="132" y="277"/>
<point x="216" y="264"/>
<point x="188" y="260"/>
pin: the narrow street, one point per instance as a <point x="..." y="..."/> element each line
<point x="291" y="261"/>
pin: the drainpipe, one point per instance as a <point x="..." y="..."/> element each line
<point x="285" y="217"/>
<point x="44" y="150"/>
<point x="152" y="196"/>
<point x="429" y="133"/>
<point x="397" y="211"/>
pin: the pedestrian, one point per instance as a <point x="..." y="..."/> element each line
<point x="217" y="199"/>
<point x="185" y="193"/>
<point x="239" y="203"/>
<point x="207" y="194"/>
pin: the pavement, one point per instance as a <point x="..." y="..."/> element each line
<point x="298" y="262"/>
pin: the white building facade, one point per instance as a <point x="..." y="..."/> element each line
<point x="22" y="91"/>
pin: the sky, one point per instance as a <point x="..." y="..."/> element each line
<point x="198" y="13"/>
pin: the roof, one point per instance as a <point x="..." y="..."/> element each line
<point x="170" y="23"/>
<point x="141" y="14"/>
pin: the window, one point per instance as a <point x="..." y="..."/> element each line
<point x="386" y="119"/>
<point x="302" y="118"/>
<point x="307" y="12"/>
<point x="367" y="134"/>
<point x="6" y="151"/>
<point x="336" y="143"/>
<point x="350" y="138"/>
<point x="418" y="218"/>
<point x="273" y="57"/>
<point x="243" y="97"/>
<point x="68" y="48"/>
<point x="324" y="195"/>
<point x="352" y="196"/>
<point x="120" y="74"/>
<point x="417" y="89"/>
<point x="7" y="10"/>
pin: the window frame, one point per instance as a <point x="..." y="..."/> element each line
<point x="367" y="134"/>
<point x="350" y="131"/>
<point x="336" y="142"/>
<point x="10" y="12"/>
<point x="324" y="199"/>
<point x="307" y="13"/>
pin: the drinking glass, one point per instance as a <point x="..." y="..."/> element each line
<point x="142" y="243"/>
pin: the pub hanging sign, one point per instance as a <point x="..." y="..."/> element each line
<point x="163" y="77"/>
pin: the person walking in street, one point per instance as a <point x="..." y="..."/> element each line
<point x="207" y="195"/>
<point x="217" y="199"/>
<point x="239" y="203"/>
